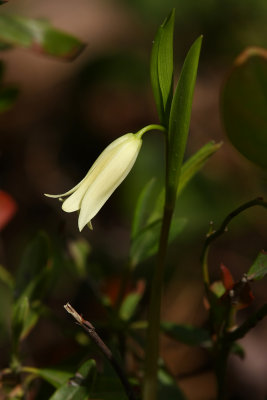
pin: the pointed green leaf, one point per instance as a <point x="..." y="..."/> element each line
<point x="187" y="334"/>
<point x="165" y="60"/>
<point x="34" y="259"/>
<point x="145" y="244"/>
<point x="80" y="250"/>
<point x="180" y="119"/>
<point x="142" y="209"/>
<point x="79" y="387"/>
<point x="259" y="268"/>
<point x="19" y="317"/>
<point x="161" y="67"/>
<point x="168" y="387"/>
<point x="244" y="104"/>
<point x="39" y="36"/>
<point x="56" y="377"/>
<point x="195" y="163"/>
<point x="238" y="350"/>
<point x="129" y="305"/>
<point x="6" y="277"/>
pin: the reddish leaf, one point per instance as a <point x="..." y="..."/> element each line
<point x="227" y="278"/>
<point x="8" y="208"/>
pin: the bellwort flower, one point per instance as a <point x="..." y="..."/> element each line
<point x="105" y="175"/>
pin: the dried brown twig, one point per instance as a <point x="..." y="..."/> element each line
<point x="90" y="330"/>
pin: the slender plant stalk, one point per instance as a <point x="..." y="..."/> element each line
<point x="259" y="201"/>
<point x="153" y="330"/>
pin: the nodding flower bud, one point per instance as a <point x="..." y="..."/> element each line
<point x="105" y="175"/>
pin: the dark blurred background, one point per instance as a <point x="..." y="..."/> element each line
<point x="67" y="112"/>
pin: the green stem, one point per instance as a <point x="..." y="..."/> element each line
<point x="151" y="127"/>
<point x="259" y="201"/>
<point x="221" y="359"/>
<point x="152" y="340"/>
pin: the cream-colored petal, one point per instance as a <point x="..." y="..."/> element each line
<point x="73" y="202"/>
<point x="55" y="196"/>
<point x="111" y="170"/>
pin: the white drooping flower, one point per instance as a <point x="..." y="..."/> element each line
<point x="105" y="175"/>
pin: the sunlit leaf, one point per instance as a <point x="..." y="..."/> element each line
<point x="243" y="105"/>
<point x="161" y="67"/>
<point x="39" y="36"/>
<point x="259" y="268"/>
<point x="180" y="119"/>
<point x="56" y="377"/>
<point x="187" y="334"/>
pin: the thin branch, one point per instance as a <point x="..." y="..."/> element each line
<point x="90" y="330"/>
<point x="250" y="323"/>
<point x="259" y="201"/>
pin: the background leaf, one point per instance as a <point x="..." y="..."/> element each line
<point x="143" y="208"/>
<point x="244" y="105"/>
<point x="79" y="387"/>
<point x="168" y="388"/>
<point x="33" y="260"/>
<point x="38" y="35"/>
<point x="145" y="244"/>
<point x="8" y="96"/>
<point x="6" y="277"/>
<point x="259" y="268"/>
<point x="187" y="334"/>
<point x="56" y="377"/>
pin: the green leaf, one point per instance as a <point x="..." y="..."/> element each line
<point x="196" y="162"/>
<point x="39" y="36"/>
<point x="187" y="334"/>
<point x="161" y="67"/>
<point x="6" y="277"/>
<point x="129" y="305"/>
<point x="168" y="388"/>
<point x="188" y="171"/>
<point x="8" y="96"/>
<point x="244" y="104"/>
<point x="259" y="268"/>
<point x="145" y="244"/>
<point x="56" y="377"/>
<point x="80" y="250"/>
<point x="19" y="317"/>
<point x="143" y="208"/>
<point x="107" y="385"/>
<point x="33" y="261"/>
<point x="79" y="387"/>
<point x="238" y="350"/>
<point x="180" y="119"/>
